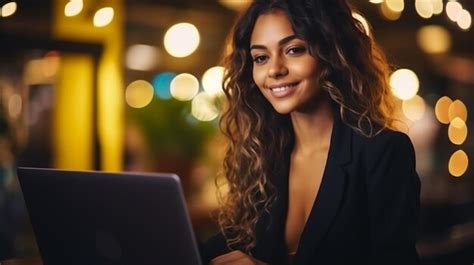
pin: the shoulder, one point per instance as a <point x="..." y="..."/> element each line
<point x="389" y="150"/>
<point x="388" y="160"/>
<point x="385" y="142"/>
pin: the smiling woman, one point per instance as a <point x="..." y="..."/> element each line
<point x="316" y="173"/>
<point x="284" y="70"/>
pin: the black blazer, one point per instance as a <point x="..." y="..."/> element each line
<point x="366" y="210"/>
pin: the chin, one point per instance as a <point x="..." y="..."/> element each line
<point x="283" y="109"/>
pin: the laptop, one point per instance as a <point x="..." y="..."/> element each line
<point x="93" y="217"/>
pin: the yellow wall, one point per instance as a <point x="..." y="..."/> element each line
<point x="110" y="90"/>
<point x="73" y="132"/>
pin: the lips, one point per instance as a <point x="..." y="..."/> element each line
<point x="284" y="89"/>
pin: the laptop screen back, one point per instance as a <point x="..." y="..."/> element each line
<point x="108" y="218"/>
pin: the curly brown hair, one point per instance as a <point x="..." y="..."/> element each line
<point x="352" y="71"/>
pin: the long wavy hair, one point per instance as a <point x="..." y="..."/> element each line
<point x="352" y="71"/>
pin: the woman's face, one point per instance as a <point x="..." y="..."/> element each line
<point x="283" y="69"/>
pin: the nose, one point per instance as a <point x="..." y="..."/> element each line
<point x="277" y="68"/>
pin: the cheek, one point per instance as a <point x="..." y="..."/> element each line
<point x="258" y="77"/>
<point x="306" y="69"/>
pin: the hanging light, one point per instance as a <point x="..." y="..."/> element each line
<point x="73" y="8"/>
<point x="8" y="9"/>
<point x="103" y="16"/>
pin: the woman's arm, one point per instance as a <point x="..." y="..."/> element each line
<point x="213" y="247"/>
<point x="236" y="257"/>
<point x="215" y="252"/>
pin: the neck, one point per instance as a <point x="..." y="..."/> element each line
<point x="313" y="128"/>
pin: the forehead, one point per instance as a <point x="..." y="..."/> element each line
<point x="270" y="28"/>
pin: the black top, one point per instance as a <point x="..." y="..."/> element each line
<point x="366" y="210"/>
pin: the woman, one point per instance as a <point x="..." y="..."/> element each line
<point x="316" y="173"/>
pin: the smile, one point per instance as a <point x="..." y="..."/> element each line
<point x="283" y="89"/>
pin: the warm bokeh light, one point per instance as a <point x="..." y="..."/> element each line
<point x="212" y="80"/>
<point x="73" y="8"/>
<point x="181" y="39"/>
<point x="14" y="106"/>
<point x="376" y="1"/>
<point x="389" y="13"/>
<point x="141" y="57"/>
<point x="458" y="163"/>
<point x="203" y="107"/>
<point x="103" y="16"/>
<point x="364" y="22"/>
<point x="51" y="63"/>
<point x="42" y="71"/>
<point x="33" y="73"/>
<point x="464" y="19"/>
<point x="453" y="10"/>
<point x="437" y="6"/>
<point x="441" y="109"/>
<point x="8" y="9"/>
<point x="457" y="131"/>
<point x="457" y="109"/>
<point x="395" y="5"/>
<point x="184" y="87"/>
<point x="414" y="108"/>
<point x="139" y="94"/>
<point x="404" y="83"/>
<point x="424" y="8"/>
<point x="235" y="5"/>
<point x="162" y="84"/>
<point x="434" y="39"/>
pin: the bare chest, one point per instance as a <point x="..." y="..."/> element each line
<point x="304" y="182"/>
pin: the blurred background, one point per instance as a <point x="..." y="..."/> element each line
<point x="122" y="85"/>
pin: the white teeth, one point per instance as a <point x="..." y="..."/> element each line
<point x="281" y="89"/>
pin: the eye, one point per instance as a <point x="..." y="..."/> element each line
<point x="260" y="59"/>
<point x="296" y="50"/>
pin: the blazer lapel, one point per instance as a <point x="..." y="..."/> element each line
<point x="330" y="193"/>
<point x="271" y="228"/>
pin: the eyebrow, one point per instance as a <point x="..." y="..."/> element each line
<point x="280" y="42"/>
